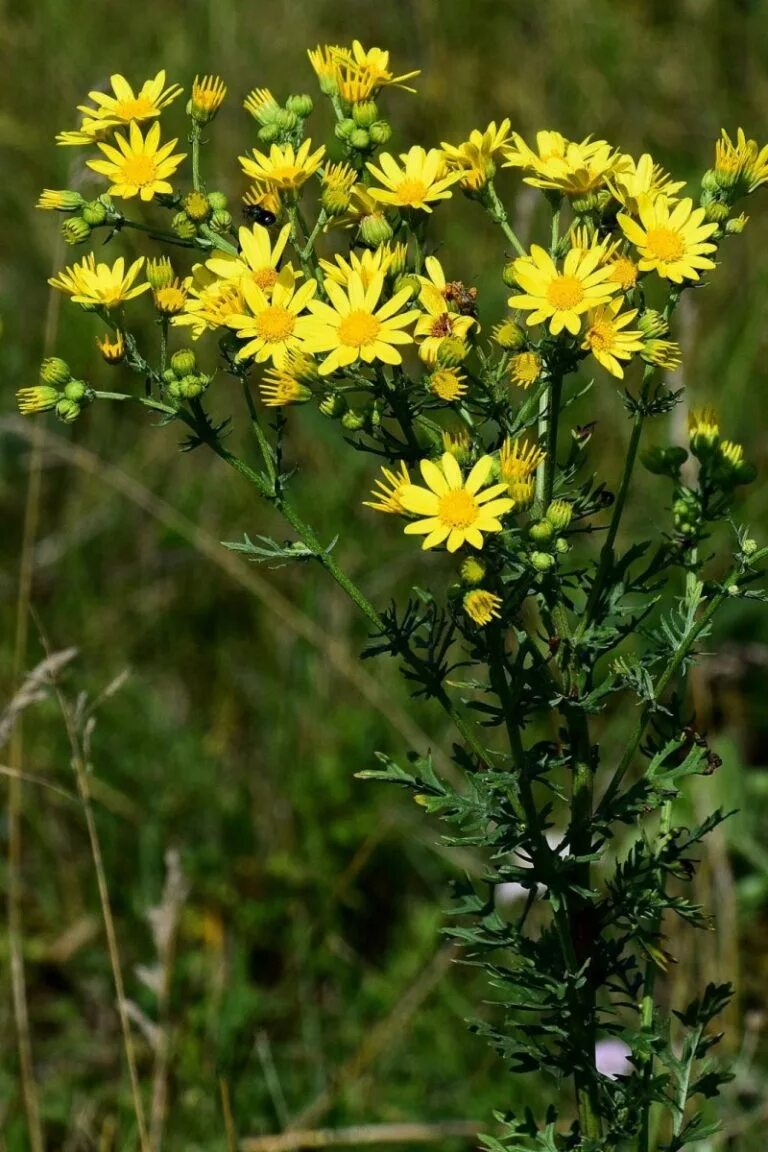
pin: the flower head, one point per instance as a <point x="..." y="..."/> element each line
<point x="482" y="607"/>
<point x="562" y="297"/>
<point x="367" y="265"/>
<point x="518" y="460"/>
<point x="208" y="95"/>
<point x="123" y="106"/>
<point x="276" y="324"/>
<point x="564" y="165"/>
<point x="386" y="490"/>
<point x="670" y="239"/>
<point x="210" y="302"/>
<point x="38" y="399"/>
<point x="456" y="511"/>
<point x="170" y="298"/>
<point x="607" y="338"/>
<point x="139" y="166"/>
<point x="742" y="165"/>
<point x="354" y="74"/>
<point x="447" y="384"/>
<point x="59" y="200"/>
<point x="283" y="386"/>
<point x="475" y="158"/>
<point x="112" y="347"/>
<point x="438" y="322"/>
<point x="635" y="178"/>
<point x="354" y="327"/>
<point x="258" y="261"/>
<point x="284" y="167"/>
<point x="417" y="182"/>
<point x="95" y="285"/>
<point x="525" y="368"/>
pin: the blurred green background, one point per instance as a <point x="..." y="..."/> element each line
<point x="309" y="976"/>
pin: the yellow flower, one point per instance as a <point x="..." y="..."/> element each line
<point x="171" y="298"/>
<point x="353" y="328"/>
<point x="635" y="178"/>
<point x="275" y="325"/>
<point x="283" y="167"/>
<point x="366" y="266"/>
<point x="122" y="107"/>
<point x="208" y="95"/>
<point x="261" y="104"/>
<point x="475" y="157"/>
<point x="482" y="606"/>
<point x="386" y="491"/>
<point x="525" y="368"/>
<point x="743" y="165"/>
<point x="447" y="384"/>
<point x="458" y="442"/>
<point x="97" y="285"/>
<point x="420" y="180"/>
<point x="673" y="243"/>
<point x="624" y="272"/>
<point x="662" y="353"/>
<point x="210" y="302"/>
<point x="138" y="166"/>
<point x="438" y="322"/>
<point x="59" y="200"/>
<point x="325" y="63"/>
<point x="111" y="347"/>
<point x="38" y="399"/>
<point x="518" y="460"/>
<point x="561" y="298"/>
<point x="456" y="511"/>
<point x="261" y="196"/>
<point x="354" y="74"/>
<point x="703" y="430"/>
<point x="569" y="167"/>
<point x="606" y="339"/>
<point x="375" y="62"/>
<point x="258" y="260"/>
<point x="282" y="386"/>
<point x="338" y="180"/>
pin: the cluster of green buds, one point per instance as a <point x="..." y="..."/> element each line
<point x="362" y="131"/>
<point x="200" y="210"/>
<point x="278" y="124"/>
<point x="85" y="216"/>
<point x="58" y="391"/>
<point x="361" y="419"/>
<point x="545" y="536"/>
<point x="182" y="380"/>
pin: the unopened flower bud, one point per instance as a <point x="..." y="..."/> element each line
<point x="286" y="120"/>
<point x="269" y="133"/>
<point x="736" y="225"/>
<point x="562" y="546"/>
<point x="183" y="362"/>
<point x="652" y="323"/>
<point x="55" y="371"/>
<point x="664" y="461"/>
<point x="365" y="113"/>
<point x="301" y="105"/>
<point x="509" y="335"/>
<point x="94" y="213"/>
<point x="749" y="546"/>
<point x="508" y="274"/>
<point x="716" y="212"/>
<point x="588" y="202"/>
<point x="375" y="230"/>
<point x="354" y="420"/>
<point x="67" y="410"/>
<point x="733" y="589"/>
<point x="472" y="571"/>
<point x="359" y="139"/>
<point x="221" y="220"/>
<point x="407" y="280"/>
<point x="184" y="228"/>
<point x="559" y="514"/>
<point x="333" y="405"/>
<point x="345" y="128"/>
<point x="193" y="386"/>
<point x="75" y="230"/>
<point x="78" y="391"/>
<point x="380" y="133"/>
<point x="451" y="351"/>
<point x="218" y="201"/>
<point x="159" y="272"/>
<point x="710" y="182"/>
<point x="335" y="201"/>
<point x="541" y="532"/>
<point x="197" y="206"/>
<point x="542" y="561"/>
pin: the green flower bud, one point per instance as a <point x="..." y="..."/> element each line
<point x="365" y="113"/>
<point x="710" y="181"/>
<point x="733" y="589"/>
<point x="174" y="390"/>
<point x="67" y="410"/>
<point x="375" y="230"/>
<point x="664" y="461"/>
<point x="345" y="128"/>
<point x="218" y="201"/>
<point x="749" y="547"/>
<point x="542" y="561"/>
<point x="94" y="213"/>
<point x="286" y="120"/>
<point x="300" y="105"/>
<point x="380" y="133"/>
<point x="354" y="420"/>
<point x="183" y="362"/>
<point x="192" y="386"/>
<point x="360" y="140"/>
<point x="269" y="133"/>
<point x="736" y="225"/>
<point x="197" y="206"/>
<point x="541" y="532"/>
<point x="221" y="221"/>
<point x="159" y="272"/>
<point x="559" y="514"/>
<point x="562" y="546"/>
<point x="335" y="201"/>
<point x="586" y="203"/>
<point x="184" y="228"/>
<point x="169" y="376"/>
<point x="407" y="280"/>
<point x="55" y="371"/>
<point x="472" y="571"/>
<point x="716" y="212"/>
<point x="75" y="230"/>
<point x="651" y="323"/>
<point x="508" y="274"/>
<point x="451" y="351"/>
<point x="78" y="391"/>
<point x="333" y="405"/>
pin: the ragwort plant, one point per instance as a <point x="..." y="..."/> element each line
<point x="540" y="631"/>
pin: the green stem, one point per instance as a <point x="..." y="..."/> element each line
<point x="163" y="342"/>
<point x="498" y="213"/>
<point x="264" y="445"/>
<point x="308" y="251"/>
<point x="160" y="234"/>
<point x="146" y="401"/>
<point x="194" y="139"/>
<point x="545" y="476"/>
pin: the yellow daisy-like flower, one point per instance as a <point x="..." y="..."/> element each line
<point x="171" y="298"/>
<point x="605" y="336"/>
<point x="41" y="398"/>
<point x="740" y="164"/>
<point x="284" y="167"/>
<point x="59" y="200"/>
<point x="261" y="104"/>
<point x="367" y="265"/>
<point x="420" y="180"/>
<point x="281" y="388"/>
<point x="569" y="167"/>
<point x="123" y="107"/>
<point x="375" y="62"/>
<point x="277" y="324"/>
<point x="635" y="178"/>
<point x="482" y="607"/>
<point x="624" y="272"/>
<point x="439" y="321"/>
<point x="518" y="460"/>
<point x="525" y="368"/>
<point x="447" y="384"/>
<point x="210" y="302"/>
<point x="662" y="353"/>
<point x="673" y="243"/>
<point x="93" y="284"/>
<point x="353" y="327"/>
<point x="258" y="260"/>
<point x="386" y="490"/>
<point x="456" y="511"/>
<point x="139" y="166"/>
<point x="475" y="158"/>
<point x="208" y="95"/>
<point x="262" y="196"/>
<point x="112" y="347"/>
<point x="560" y="298"/>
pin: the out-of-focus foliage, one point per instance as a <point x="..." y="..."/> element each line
<point x="306" y="974"/>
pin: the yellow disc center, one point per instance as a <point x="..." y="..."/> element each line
<point x="457" y="508"/>
<point x="139" y="170"/>
<point x="264" y="277"/>
<point x="565" y="292"/>
<point x="358" y="328"/>
<point x="412" y="191"/>
<point x="275" y="324"/>
<point x="600" y="336"/>
<point x="664" y="244"/>
<point x="138" y="109"/>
